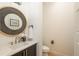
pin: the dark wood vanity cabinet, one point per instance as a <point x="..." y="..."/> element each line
<point x="30" y="51"/>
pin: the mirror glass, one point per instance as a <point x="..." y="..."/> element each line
<point x="13" y="21"/>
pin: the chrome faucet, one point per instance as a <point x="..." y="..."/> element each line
<point x="17" y="40"/>
<point x="20" y="39"/>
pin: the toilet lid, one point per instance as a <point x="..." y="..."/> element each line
<point x="45" y="49"/>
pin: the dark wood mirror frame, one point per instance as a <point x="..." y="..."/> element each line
<point x="4" y="28"/>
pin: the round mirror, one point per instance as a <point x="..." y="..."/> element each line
<point x="12" y="21"/>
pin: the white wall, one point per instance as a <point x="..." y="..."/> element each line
<point x="76" y="36"/>
<point x="6" y="39"/>
<point x="35" y="15"/>
<point x="34" y="11"/>
<point x="59" y="26"/>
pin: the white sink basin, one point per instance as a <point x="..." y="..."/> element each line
<point x="18" y="45"/>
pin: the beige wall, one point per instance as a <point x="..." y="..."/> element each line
<point x="59" y="26"/>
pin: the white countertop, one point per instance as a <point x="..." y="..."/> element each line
<point x="10" y="50"/>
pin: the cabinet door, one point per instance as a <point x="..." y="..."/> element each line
<point x="31" y="51"/>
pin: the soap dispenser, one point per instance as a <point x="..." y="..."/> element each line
<point x="30" y="32"/>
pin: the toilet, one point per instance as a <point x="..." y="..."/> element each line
<point x="45" y="50"/>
